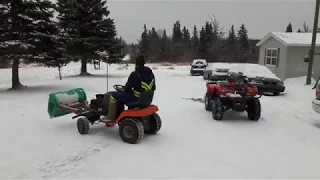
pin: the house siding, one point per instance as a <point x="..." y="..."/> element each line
<point x="296" y="67"/>
<point x="280" y="71"/>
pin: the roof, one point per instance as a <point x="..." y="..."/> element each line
<point x="291" y="39"/>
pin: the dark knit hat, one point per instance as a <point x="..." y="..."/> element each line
<point x="140" y="61"/>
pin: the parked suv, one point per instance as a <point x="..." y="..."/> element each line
<point x="198" y="66"/>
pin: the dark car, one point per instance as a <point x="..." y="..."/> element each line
<point x="198" y="66"/>
<point x="268" y="85"/>
<point x="260" y="76"/>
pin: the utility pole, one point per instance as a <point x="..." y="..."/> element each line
<point x="313" y="43"/>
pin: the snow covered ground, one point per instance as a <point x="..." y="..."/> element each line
<point x="284" y="143"/>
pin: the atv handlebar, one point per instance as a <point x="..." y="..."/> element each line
<point x="118" y="87"/>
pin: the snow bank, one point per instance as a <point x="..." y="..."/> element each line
<point x="299" y="80"/>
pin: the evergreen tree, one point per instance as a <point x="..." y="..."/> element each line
<point x="116" y="51"/>
<point x="177" y="37"/>
<point x="144" y="42"/>
<point x="243" y="37"/>
<point x="244" y="43"/>
<point x="165" y="46"/>
<point x="289" y="27"/>
<point x="186" y="39"/>
<point x="89" y="27"/>
<point x="177" y="33"/>
<point x="24" y="25"/>
<point x="195" y="39"/>
<point x="154" y="44"/>
<point x="149" y="33"/>
<point x="231" y="49"/>
<point x="203" y="42"/>
<point x="133" y="48"/>
<point x="124" y="47"/>
<point x="56" y="47"/>
<point x="164" y="35"/>
<point x="209" y="35"/>
<point x="232" y="36"/>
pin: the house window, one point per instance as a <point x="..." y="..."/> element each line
<point x="271" y="56"/>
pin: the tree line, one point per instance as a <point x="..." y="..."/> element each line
<point x="82" y="31"/>
<point x="305" y="28"/>
<point x="208" y="42"/>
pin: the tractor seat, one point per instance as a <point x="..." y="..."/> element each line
<point x="144" y="100"/>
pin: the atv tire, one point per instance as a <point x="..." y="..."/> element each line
<point x="83" y="125"/>
<point x="208" y="101"/>
<point x="217" y="109"/>
<point x="254" y="109"/>
<point x="131" y="130"/>
<point x="155" y="124"/>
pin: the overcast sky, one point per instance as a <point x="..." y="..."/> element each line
<point x="259" y="17"/>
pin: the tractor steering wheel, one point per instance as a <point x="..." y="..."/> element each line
<point x="118" y="87"/>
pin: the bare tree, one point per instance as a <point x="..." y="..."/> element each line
<point x="160" y="32"/>
<point x="306" y="27"/>
<point x="216" y="26"/>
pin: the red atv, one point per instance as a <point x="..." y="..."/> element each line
<point x="234" y="93"/>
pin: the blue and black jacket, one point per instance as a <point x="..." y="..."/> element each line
<point x="140" y="80"/>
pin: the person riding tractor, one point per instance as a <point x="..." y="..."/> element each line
<point x="140" y="80"/>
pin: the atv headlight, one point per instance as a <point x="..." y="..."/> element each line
<point x="280" y="83"/>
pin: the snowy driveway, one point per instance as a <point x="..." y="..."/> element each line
<point x="283" y="144"/>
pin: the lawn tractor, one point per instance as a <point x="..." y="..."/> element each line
<point x="140" y="118"/>
<point x="235" y="93"/>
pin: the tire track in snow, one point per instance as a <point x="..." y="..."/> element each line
<point x="58" y="167"/>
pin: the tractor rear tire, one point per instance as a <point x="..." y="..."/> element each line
<point x="217" y="109"/>
<point x="208" y="101"/>
<point x="155" y="124"/>
<point x="254" y="109"/>
<point x="83" y="125"/>
<point x="131" y="130"/>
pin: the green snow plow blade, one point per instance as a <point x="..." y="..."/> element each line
<point x="64" y="98"/>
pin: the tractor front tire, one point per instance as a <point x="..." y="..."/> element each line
<point x="217" y="109"/>
<point x="254" y="109"/>
<point x="83" y="125"/>
<point x="155" y="124"/>
<point x="208" y="101"/>
<point x="131" y="130"/>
